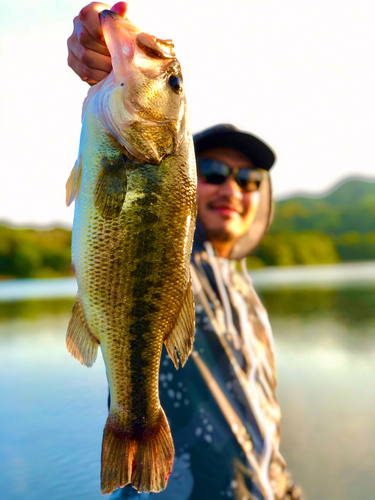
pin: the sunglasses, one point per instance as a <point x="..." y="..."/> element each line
<point x="217" y="172"/>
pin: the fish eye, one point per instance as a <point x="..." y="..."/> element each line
<point x="175" y="83"/>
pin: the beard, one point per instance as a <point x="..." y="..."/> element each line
<point x="222" y="235"/>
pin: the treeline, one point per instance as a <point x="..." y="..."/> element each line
<point x="27" y="253"/>
<point x="285" y="248"/>
<point x="30" y="253"/>
<point x="295" y="216"/>
<point x="336" y="228"/>
<point x="348" y="208"/>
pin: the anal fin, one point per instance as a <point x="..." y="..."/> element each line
<point x="80" y="342"/>
<point x="181" y="337"/>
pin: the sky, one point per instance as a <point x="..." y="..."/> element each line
<point x="298" y="74"/>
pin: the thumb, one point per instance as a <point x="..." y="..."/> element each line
<point x="120" y="8"/>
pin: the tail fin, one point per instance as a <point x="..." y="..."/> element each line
<point x="145" y="461"/>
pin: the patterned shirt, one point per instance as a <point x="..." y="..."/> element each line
<point x="221" y="405"/>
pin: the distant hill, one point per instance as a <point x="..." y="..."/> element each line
<point x="338" y="226"/>
<point x="352" y="192"/>
<point x="345" y="192"/>
<point x="348" y="207"/>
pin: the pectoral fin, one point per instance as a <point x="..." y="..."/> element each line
<point x="80" y="342"/>
<point x="110" y="190"/>
<point x="73" y="183"/>
<point x="181" y="337"/>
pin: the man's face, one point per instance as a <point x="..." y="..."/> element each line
<point x="226" y="211"/>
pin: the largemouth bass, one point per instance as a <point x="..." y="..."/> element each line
<point x="134" y="185"/>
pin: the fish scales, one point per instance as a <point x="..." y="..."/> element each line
<point x="132" y="238"/>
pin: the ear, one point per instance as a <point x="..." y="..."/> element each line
<point x="120" y="36"/>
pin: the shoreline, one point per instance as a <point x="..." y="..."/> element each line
<point x="353" y="274"/>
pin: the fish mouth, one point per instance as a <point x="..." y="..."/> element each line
<point x="119" y="35"/>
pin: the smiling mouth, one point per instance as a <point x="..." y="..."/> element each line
<point x="226" y="208"/>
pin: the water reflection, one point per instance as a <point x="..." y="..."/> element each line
<point x="345" y="305"/>
<point x="325" y="353"/>
<point x="34" y="309"/>
<point x="53" y="409"/>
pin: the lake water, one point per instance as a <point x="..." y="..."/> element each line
<point x="53" y="409"/>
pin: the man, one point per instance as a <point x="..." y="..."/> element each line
<point x="221" y="406"/>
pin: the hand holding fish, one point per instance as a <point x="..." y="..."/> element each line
<point x="134" y="186"/>
<point x="88" y="55"/>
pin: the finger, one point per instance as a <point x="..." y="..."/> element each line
<point x="86" y="40"/>
<point x="120" y="8"/>
<point x="93" y="59"/>
<point x="88" y="57"/>
<point x="90" y="75"/>
<point x="89" y="17"/>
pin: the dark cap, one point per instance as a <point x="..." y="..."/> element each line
<point x="221" y="136"/>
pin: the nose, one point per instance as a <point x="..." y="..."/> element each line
<point x="230" y="188"/>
